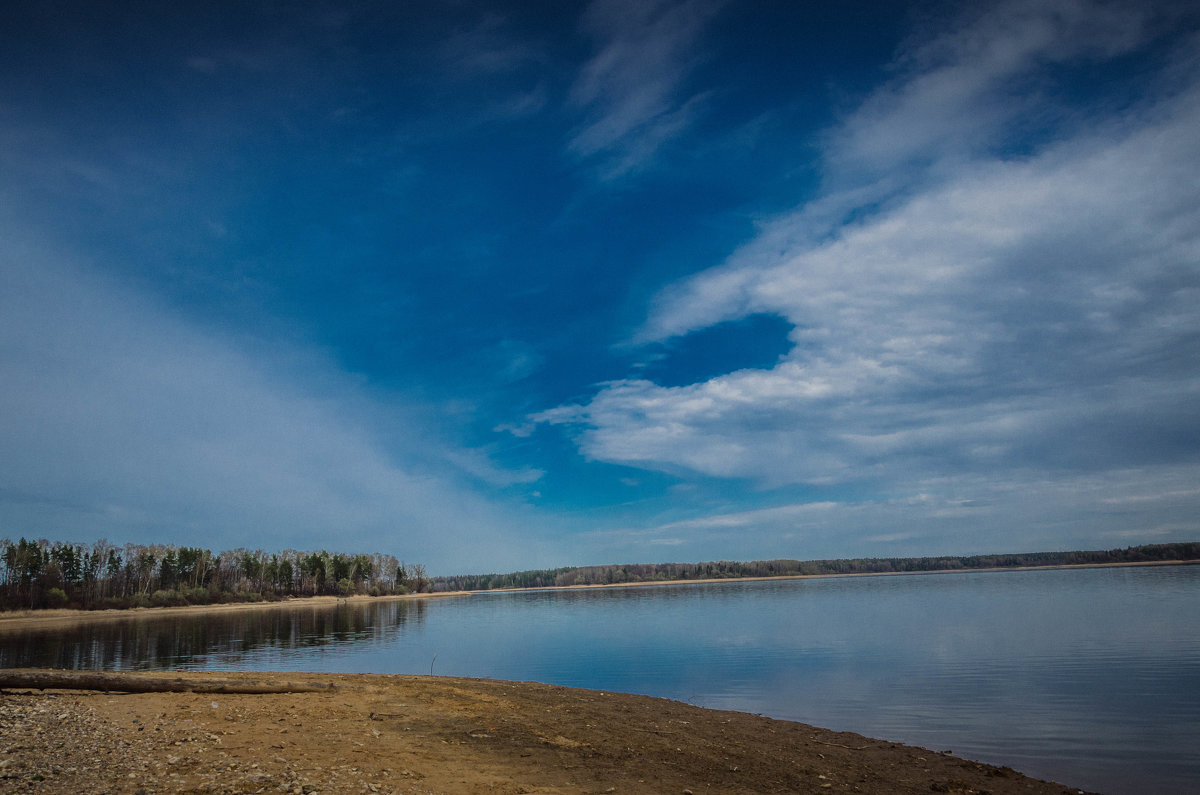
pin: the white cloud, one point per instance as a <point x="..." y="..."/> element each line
<point x="997" y="316"/>
<point x="120" y="419"/>
<point x="1024" y="299"/>
<point x="960" y="91"/>
<point x="633" y="88"/>
<point x="955" y="515"/>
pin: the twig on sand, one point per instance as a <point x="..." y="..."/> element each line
<point x="847" y="747"/>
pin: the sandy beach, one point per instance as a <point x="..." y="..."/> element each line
<point x="20" y="620"/>
<point x="419" y="734"/>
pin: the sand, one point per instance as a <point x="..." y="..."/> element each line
<point x="423" y="734"/>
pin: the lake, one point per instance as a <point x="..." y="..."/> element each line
<point x="1089" y="677"/>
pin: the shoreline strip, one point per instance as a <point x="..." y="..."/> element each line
<point x="38" y="619"/>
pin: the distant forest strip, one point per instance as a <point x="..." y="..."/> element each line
<point x="724" y="569"/>
<point x="41" y="574"/>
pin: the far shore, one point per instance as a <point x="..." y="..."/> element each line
<point x="39" y="619"/>
<point x="836" y="575"/>
<point x="17" y="620"/>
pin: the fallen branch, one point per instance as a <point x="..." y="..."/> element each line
<point x="847" y="747"/>
<point x="118" y="681"/>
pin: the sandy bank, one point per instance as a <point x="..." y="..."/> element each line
<point x="48" y="619"/>
<point x="419" y="734"/>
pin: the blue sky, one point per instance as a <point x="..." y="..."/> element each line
<point x="494" y="285"/>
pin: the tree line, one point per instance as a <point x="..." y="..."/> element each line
<point x="41" y="574"/>
<point x="724" y="569"/>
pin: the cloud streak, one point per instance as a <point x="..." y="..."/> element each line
<point x="962" y="92"/>
<point x="970" y="514"/>
<point x="1045" y="294"/>
<point x="633" y="89"/>
<point x="122" y="420"/>
<point x="999" y="316"/>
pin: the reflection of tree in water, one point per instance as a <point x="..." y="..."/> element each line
<point x="231" y="637"/>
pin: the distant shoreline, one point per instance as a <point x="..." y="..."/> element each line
<point x="46" y="619"/>
<point x="715" y="580"/>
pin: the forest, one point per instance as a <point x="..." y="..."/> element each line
<point x="724" y="569"/>
<point x="41" y="574"/>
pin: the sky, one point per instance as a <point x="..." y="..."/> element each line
<point x="507" y="285"/>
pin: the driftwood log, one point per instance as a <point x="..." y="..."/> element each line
<point x="123" y="682"/>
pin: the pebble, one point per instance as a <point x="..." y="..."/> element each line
<point x="51" y="745"/>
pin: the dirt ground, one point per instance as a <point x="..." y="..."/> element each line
<point x="423" y="734"/>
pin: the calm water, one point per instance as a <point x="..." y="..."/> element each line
<point x="1088" y="677"/>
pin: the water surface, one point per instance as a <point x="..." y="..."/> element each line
<point x="1087" y="676"/>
